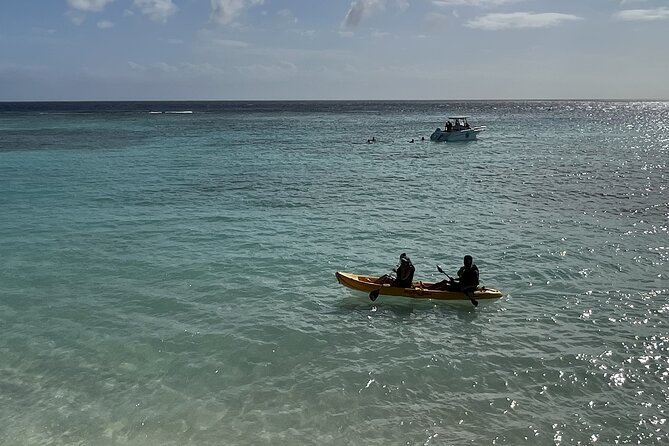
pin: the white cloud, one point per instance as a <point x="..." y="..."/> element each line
<point x="88" y="5"/>
<point x="79" y="9"/>
<point x="77" y="17"/>
<point x="178" y="71"/>
<point x="494" y="22"/>
<point x="280" y="71"/>
<point x="361" y="9"/>
<point x="643" y="15"/>
<point x="158" y="10"/>
<point x="305" y="32"/>
<point x="287" y="15"/>
<point x="226" y="11"/>
<point x="230" y="43"/>
<point x="105" y="24"/>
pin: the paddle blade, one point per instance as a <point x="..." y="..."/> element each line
<point x="373" y="295"/>
<point x="475" y="302"/>
<point x="443" y="272"/>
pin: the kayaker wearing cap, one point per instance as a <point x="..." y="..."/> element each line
<point x="404" y="271"/>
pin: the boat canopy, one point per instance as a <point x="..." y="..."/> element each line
<point x="458" y="117"/>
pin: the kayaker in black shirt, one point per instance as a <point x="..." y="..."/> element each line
<point x="468" y="278"/>
<point x="404" y="271"/>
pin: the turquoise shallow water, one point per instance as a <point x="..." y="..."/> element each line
<point x="168" y="279"/>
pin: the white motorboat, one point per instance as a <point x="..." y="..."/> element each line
<point x="458" y="130"/>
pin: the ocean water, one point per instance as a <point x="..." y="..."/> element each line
<point x="168" y="278"/>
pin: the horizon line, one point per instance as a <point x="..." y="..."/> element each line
<point x="340" y="100"/>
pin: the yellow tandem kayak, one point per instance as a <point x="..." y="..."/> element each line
<point x="417" y="291"/>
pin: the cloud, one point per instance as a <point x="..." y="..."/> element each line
<point x="361" y="9"/>
<point x="275" y="72"/>
<point x="310" y="33"/>
<point x="157" y="10"/>
<point x="88" y="5"/>
<point x="643" y="15"/>
<point x="230" y="43"/>
<point x="287" y="15"/>
<point x="79" y="9"/>
<point x="105" y="24"/>
<point x="179" y="71"/>
<point x="226" y="11"/>
<point x="77" y="17"/>
<point x="495" y="22"/>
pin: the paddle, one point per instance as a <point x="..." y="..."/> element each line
<point x="374" y="294"/>
<point x="444" y="272"/>
<point x="474" y="301"/>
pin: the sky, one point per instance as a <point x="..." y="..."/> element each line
<point x="53" y="50"/>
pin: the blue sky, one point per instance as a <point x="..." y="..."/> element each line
<point x="333" y="49"/>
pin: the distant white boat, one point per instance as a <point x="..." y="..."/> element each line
<point x="458" y="130"/>
<point x="178" y="112"/>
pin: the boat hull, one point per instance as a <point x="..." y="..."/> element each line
<point x="456" y="135"/>
<point x="418" y="291"/>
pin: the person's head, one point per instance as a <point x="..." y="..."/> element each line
<point x="468" y="261"/>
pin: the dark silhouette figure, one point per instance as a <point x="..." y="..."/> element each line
<point x="468" y="278"/>
<point x="404" y="271"/>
